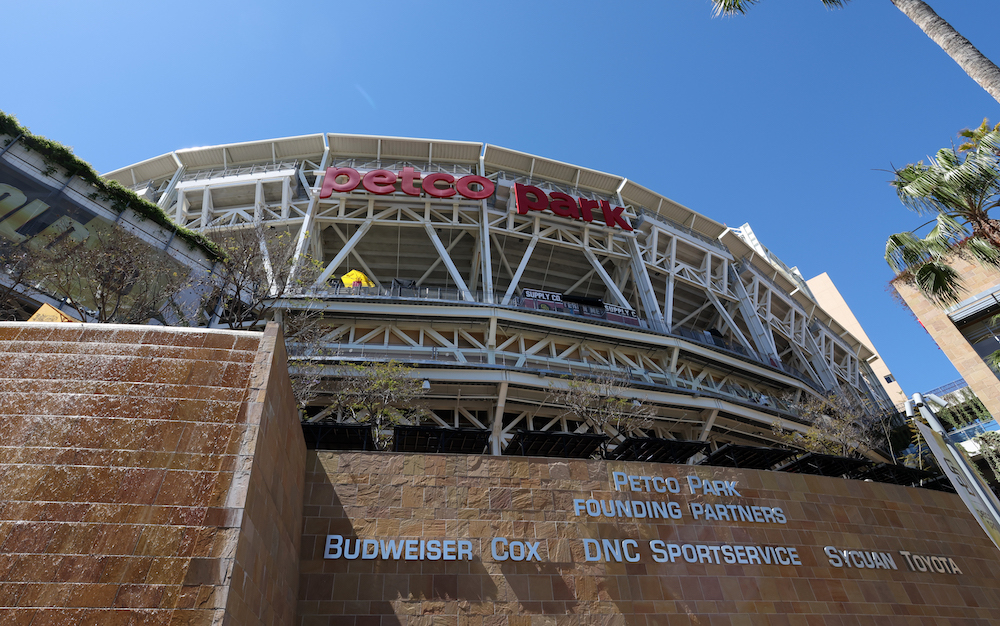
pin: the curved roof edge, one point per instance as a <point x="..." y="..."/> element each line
<point x="409" y="148"/>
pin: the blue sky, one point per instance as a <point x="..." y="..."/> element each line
<point x="787" y="118"/>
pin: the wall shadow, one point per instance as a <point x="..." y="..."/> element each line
<point x="370" y="590"/>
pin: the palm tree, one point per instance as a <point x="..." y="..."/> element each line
<point x="959" y="188"/>
<point x="970" y="59"/>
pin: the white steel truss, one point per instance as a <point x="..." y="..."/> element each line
<point x="717" y="342"/>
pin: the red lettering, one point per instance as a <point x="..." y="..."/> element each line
<point x="524" y="203"/>
<point x="409" y="175"/>
<point x="381" y="182"/>
<point x="614" y="216"/>
<point x="330" y="183"/>
<point x="563" y="204"/>
<point x="585" y="209"/>
<point x="431" y="189"/>
<point x="486" y="187"/>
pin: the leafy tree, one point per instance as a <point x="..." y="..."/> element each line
<point x="838" y="424"/>
<point x="959" y="188"/>
<point x="960" y="49"/>
<point x="16" y="268"/>
<point x="111" y="276"/>
<point x="380" y="393"/>
<point x="252" y="272"/>
<point x="603" y="403"/>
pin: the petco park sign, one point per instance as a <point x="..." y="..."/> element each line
<point x="411" y="182"/>
<point x="443" y="185"/>
<point x="530" y="198"/>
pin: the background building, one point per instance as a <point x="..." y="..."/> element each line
<point x="57" y="214"/>
<point x="160" y="475"/>
<point x="826" y="294"/>
<point x="965" y="332"/>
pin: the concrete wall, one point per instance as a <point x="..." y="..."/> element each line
<point x="829" y="297"/>
<point x="132" y="474"/>
<point x="392" y="496"/>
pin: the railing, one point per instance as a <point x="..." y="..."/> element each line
<point x="452" y="294"/>
<point x="239" y="171"/>
<point x="444" y="357"/>
<point x="708" y="339"/>
<point x="970" y="431"/>
<point x="954" y="385"/>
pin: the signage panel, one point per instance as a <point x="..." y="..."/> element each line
<point x="954" y="464"/>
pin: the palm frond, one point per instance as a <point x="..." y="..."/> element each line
<point x="947" y="232"/>
<point x="732" y="7"/>
<point x="975" y="136"/>
<point x="982" y="251"/>
<point x="905" y="250"/>
<point x="939" y="282"/>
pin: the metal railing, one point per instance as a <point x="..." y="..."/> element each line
<point x="455" y="295"/>
<point x="243" y="170"/>
<point x="954" y="385"/>
<point x="332" y="354"/>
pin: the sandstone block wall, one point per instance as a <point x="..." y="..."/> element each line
<point x="393" y="496"/>
<point x="265" y="571"/>
<point x="976" y="279"/>
<point x="131" y="481"/>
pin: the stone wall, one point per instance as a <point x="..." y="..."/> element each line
<point x="265" y="574"/>
<point x="132" y="464"/>
<point x="392" y="496"/>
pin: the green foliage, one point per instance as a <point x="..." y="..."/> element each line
<point x="110" y="277"/>
<point x="959" y="187"/>
<point x="58" y="156"/>
<point x="837" y="424"/>
<point x="964" y="414"/>
<point x="604" y="404"/>
<point x="740" y="7"/>
<point x="380" y="393"/>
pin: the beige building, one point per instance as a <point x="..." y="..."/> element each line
<point x="964" y="331"/>
<point x="827" y="296"/>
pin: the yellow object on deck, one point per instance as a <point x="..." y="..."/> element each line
<point x="354" y="277"/>
<point x="48" y="313"/>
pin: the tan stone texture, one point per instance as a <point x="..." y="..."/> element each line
<point x="147" y="476"/>
<point x="392" y="496"/>
<point x="976" y="279"/>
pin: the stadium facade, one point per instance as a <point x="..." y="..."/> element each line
<point x="498" y="275"/>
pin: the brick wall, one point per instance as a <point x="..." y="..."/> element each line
<point x="976" y="279"/>
<point x="390" y="496"/>
<point x="128" y="462"/>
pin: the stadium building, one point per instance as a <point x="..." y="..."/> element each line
<point x="498" y="275"/>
